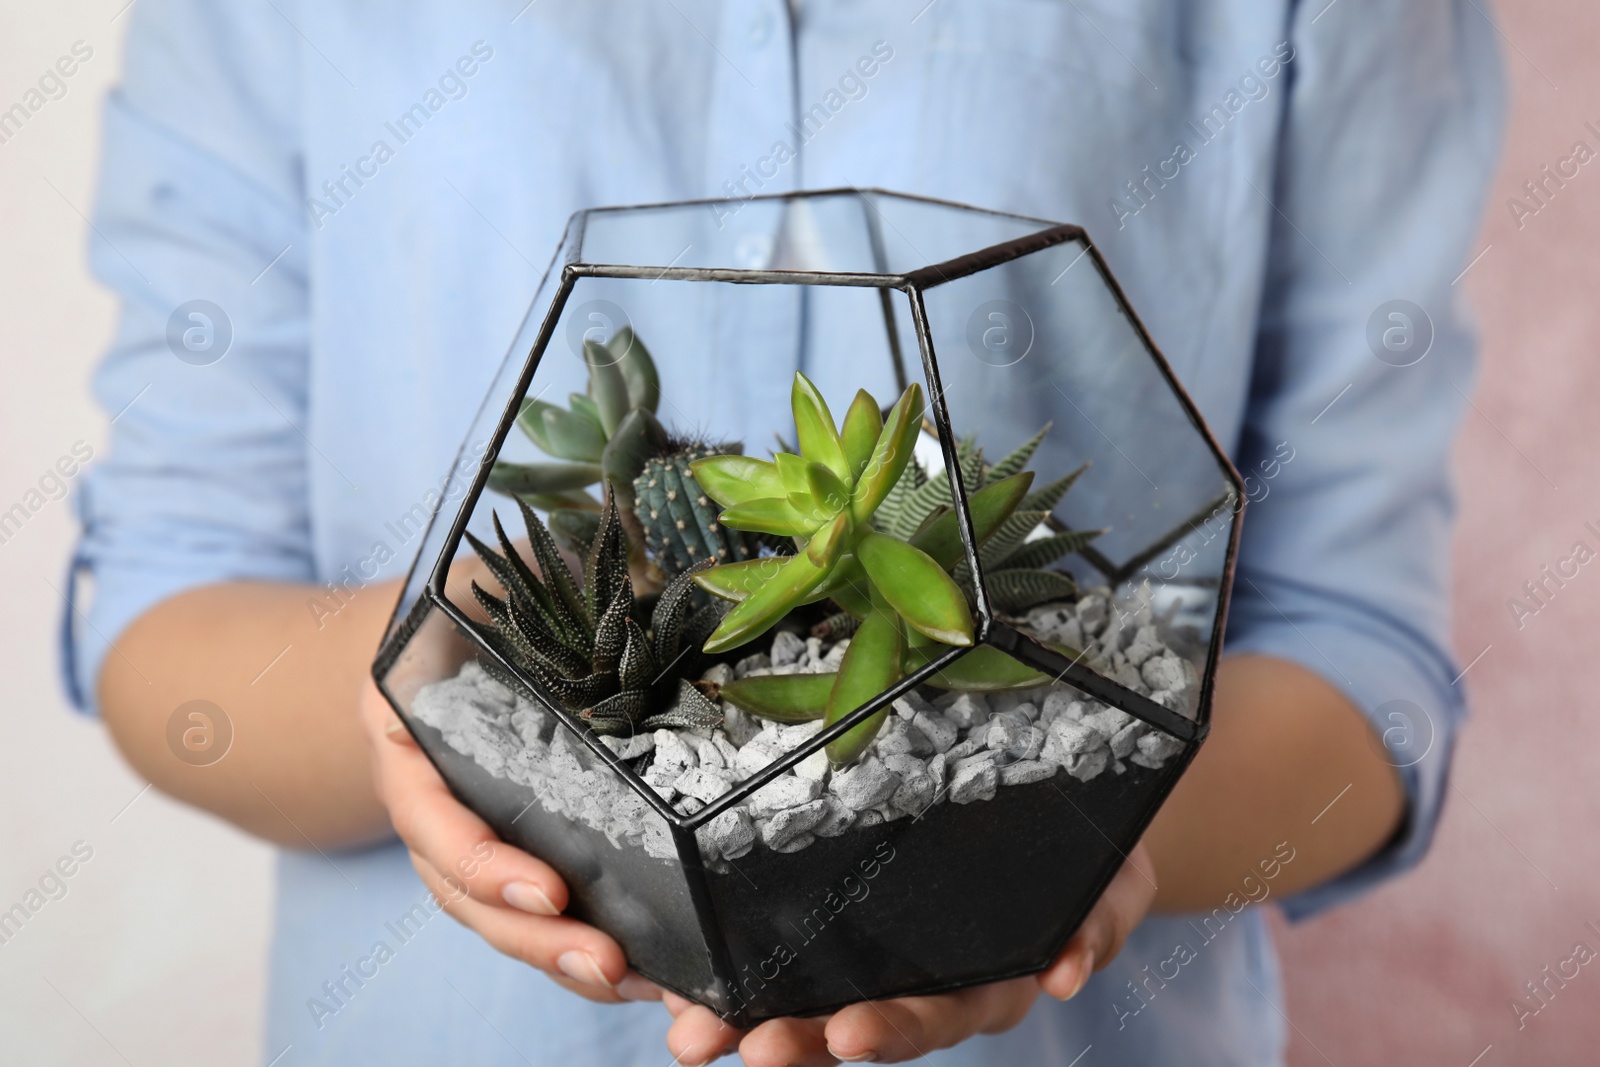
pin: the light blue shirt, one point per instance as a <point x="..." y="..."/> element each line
<point x="371" y="193"/>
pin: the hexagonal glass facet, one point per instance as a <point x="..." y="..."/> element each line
<point x="756" y="865"/>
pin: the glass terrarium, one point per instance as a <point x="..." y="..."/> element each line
<point x="836" y="600"/>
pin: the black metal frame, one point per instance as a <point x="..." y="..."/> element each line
<point x="988" y="630"/>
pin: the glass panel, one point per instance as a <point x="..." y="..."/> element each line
<point x="542" y="790"/>
<point x="1042" y="342"/>
<point x="848" y="232"/>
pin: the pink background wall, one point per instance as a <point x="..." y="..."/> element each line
<point x="1424" y="970"/>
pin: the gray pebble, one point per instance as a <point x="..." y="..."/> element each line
<point x="1085" y="766"/>
<point x="628" y="748"/>
<point x="967" y="710"/>
<point x="703" y="783"/>
<point x="786" y="825"/>
<point x="1122" y="744"/>
<point x="975" y="778"/>
<point x="836" y="820"/>
<point x="866" y="785"/>
<point x="899" y="736"/>
<point x="908" y="705"/>
<point x="1067" y="739"/>
<point x="731" y="834"/>
<point x="940" y="731"/>
<point x="914" y="794"/>
<point x="784" y="791"/>
<point x="758" y="662"/>
<point x="1025" y="772"/>
<point x="787" y="648"/>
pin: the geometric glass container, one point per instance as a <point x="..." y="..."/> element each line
<point x="1009" y="325"/>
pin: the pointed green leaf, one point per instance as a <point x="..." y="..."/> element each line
<point x="890" y="454"/>
<point x="638" y="437"/>
<point x="735" y="581"/>
<point x="828" y="493"/>
<point x="1018" y="458"/>
<point x="871" y="664"/>
<point x="990" y="507"/>
<point x="1043" y="551"/>
<point x="815" y="428"/>
<point x="570" y="435"/>
<point x="1046" y="498"/>
<point x="917" y="588"/>
<point x="1016" y="590"/>
<point x="769" y="515"/>
<point x="582" y="405"/>
<point x="781" y="697"/>
<point x="847" y="585"/>
<point x="530" y="417"/>
<point x="862" y="425"/>
<point x="792" y="472"/>
<point x="757" y="613"/>
<point x="638" y="369"/>
<point x="528" y="478"/>
<point x="731" y="480"/>
<point x="607" y="388"/>
<point x="983" y="669"/>
<point x="824" y="549"/>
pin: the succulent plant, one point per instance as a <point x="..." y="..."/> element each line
<point x="879" y="537"/>
<point x="606" y="434"/>
<point x="1014" y="567"/>
<point x="681" y="524"/>
<point x="585" y="644"/>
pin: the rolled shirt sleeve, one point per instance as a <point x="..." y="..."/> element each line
<point x="1388" y="146"/>
<point x="197" y="229"/>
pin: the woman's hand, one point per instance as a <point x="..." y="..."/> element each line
<point x="891" y="1031"/>
<point x="507" y="897"/>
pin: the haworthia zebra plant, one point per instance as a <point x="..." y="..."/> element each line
<point x="895" y="570"/>
<point x="586" y="644"/>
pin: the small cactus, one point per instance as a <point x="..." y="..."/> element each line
<point x="680" y="522"/>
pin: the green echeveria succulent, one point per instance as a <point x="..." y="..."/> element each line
<point x="585" y="644"/>
<point x="902" y="585"/>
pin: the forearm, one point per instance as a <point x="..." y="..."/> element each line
<point x="298" y="772"/>
<point x="1283" y="745"/>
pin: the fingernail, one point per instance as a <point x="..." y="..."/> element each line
<point x="860" y="1057"/>
<point x="1085" y="969"/>
<point x="397" y="732"/>
<point x="582" y="967"/>
<point x="525" y="896"/>
<point x="634" y="987"/>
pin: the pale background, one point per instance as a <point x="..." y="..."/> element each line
<point x="155" y="955"/>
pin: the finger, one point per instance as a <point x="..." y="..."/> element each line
<point x="697" y="1035"/>
<point x="1101" y="936"/>
<point x="458" y="843"/>
<point x="907" y="1028"/>
<point x="788" y="1043"/>
<point x="574" y="953"/>
<point x="675" y="1003"/>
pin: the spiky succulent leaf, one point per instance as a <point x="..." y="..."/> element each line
<point x="1017" y="459"/>
<point x="637" y="667"/>
<point x="1009" y="537"/>
<point x="990" y="507"/>
<point x="572" y="529"/>
<point x="616" y="714"/>
<point x="1014" y="591"/>
<point x="611" y="631"/>
<point x="1043" y="551"/>
<point x="1047" y="497"/>
<point x="692" y="711"/>
<point x="671" y="612"/>
<point x="572" y="607"/>
<point x="606" y="569"/>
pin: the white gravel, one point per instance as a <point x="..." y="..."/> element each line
<point x="936" y="747"/>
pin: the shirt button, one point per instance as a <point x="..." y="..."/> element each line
<point x="760" y="29"/>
